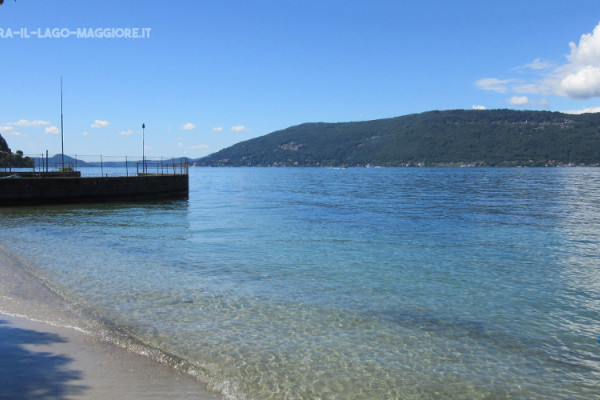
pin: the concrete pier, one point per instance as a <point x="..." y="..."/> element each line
<point x="60" y="189"/>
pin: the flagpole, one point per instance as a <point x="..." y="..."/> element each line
<point x="62" y="140"/>
<point x="143" y="148"/>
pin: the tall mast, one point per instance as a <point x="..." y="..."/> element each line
<point x="62" y="140"/>
<point x="143" y="148"/>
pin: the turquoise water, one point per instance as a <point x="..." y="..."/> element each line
<point x="301" y="283"/>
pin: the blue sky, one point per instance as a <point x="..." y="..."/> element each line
<point x="211" y="74"/>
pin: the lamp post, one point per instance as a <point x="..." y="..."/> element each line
<point x="143" y="148"/>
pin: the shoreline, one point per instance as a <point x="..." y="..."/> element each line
<point x="47" y="353"/>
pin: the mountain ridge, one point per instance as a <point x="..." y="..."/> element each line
<point x="454" y="137"/>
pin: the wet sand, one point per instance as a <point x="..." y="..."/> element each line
<point x="43" y="357"/>
<point x="41" y="361"/>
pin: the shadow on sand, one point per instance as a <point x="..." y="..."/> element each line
<point x="29" y="374"/>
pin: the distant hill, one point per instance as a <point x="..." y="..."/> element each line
<point x="456" y="137"/>
<point x="56" y="161"/>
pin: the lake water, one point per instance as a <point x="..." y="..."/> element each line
<point x="359" y="283"/>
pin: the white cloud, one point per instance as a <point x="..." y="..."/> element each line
<point x="479" y="107"/>
<point x="180" y="144"/>
<point x="526" y="101"/>
<point x="85" y="134"/>
<point x="588" y="51"/>
<point x="583" y="83"/>
<point x="584" y="111"/>
<point x="519" y="100"/>
<point x="53" y="130"/>
<point x="9" y="130"/>
<point x="100" y="124"/>
<point x="239" y="128"/>
<point x="542" y="102"/>
<point x="198" y="147"/>
<point x="128" y="132"/>
<point x="529" y="88"/>
<point x="507" y="85"/>
<point x="217" y="128"/>
<point x="538" y="64"/>
<point x="188" y="127"/>
<point x="26" y="123"/>
<point x="493" y="84"/>
<point x="578" y="78"/>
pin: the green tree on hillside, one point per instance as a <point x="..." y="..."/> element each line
<point x="10" y="160"/>
<point x="3" y="145"/>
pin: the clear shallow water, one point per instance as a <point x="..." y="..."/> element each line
<point x="346" y="284"/>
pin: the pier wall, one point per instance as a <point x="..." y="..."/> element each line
<point x="48" y="190"/>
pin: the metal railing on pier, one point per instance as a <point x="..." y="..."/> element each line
<point x="103" y="166"/>
<point x="162" y="168"/>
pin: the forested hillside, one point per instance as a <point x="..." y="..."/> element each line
<point x="457" y="137"/>
<point x="10" y="160"/>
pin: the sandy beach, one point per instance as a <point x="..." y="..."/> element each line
<point x="41" y="361"/>
<point x="47" y="358"/>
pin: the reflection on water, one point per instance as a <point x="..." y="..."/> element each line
<point x="357" y="283"/>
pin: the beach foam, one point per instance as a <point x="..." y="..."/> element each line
<point x="50" y="351"/>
